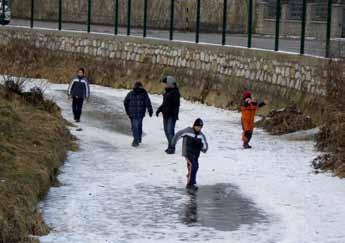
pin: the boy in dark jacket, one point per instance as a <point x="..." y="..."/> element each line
<point x="136" y="103"/>
<point x="248" y="110"/>
<point x="170" y="107"/>
<point x="194" y="142"/>
<point x="78" y="89"/>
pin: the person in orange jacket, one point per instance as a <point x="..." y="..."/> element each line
<point x="248" y="110"/>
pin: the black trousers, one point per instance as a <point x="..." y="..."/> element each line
<point x="247" y="136"/>
<point x="77" y="107"/>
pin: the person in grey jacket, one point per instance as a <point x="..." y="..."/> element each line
<point x="78" y="89"/>
<point x="194" y="142"/>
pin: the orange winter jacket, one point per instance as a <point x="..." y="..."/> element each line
<point x="248" y="110"/>
<point x="248" y="114"/>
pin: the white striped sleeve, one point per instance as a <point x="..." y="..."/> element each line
<point x="87" y="88"/>
<point x="69" y="91"/>
<point x="204" y="142"/>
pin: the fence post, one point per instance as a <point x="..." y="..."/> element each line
<point x="197" y="32"/>
<point x="278" y="14"/>
<point x="304" y="14"/>
<point x="250" y="22"/>
<point x="60" y="14"/>
<point x="329" y="24"/>
<point x="172" y="8"/>
<point x="145" y="18"/>
<point x="225" y="18"/>
<point x="32" y="13"/>
<point x="116" y="27"/>
<point x="89" y="16"/>
<point x="129" y="13"/>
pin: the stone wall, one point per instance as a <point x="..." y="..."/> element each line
<point x="212" y="74"/>
<point x="158" y="13"/>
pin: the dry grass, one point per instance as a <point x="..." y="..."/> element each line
<point x="33" y="145"/>
<point x="332" y="136"/>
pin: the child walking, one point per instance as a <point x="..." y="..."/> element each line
<point x="194" y="142"/>
<point x="248" y="110"/>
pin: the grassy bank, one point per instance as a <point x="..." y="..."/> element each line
<point x="34" y="142"/>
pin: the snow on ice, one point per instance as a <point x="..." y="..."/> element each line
<point x="112" y="192"/>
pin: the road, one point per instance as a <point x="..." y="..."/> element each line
<point x="312" y="47"/>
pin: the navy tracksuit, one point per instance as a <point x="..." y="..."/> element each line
<point x="79" y="89"/>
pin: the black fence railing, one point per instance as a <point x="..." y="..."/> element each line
<point x="297" y="11"/>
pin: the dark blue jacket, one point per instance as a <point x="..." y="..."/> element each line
<point x="79" y="87"/>
<point x="136" y="103"/>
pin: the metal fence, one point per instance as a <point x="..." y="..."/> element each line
<point x="298" y="11"/>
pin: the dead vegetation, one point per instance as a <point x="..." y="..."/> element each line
<point x="34" y="142"/>
<point x="331" y="139"/>
<point x="285" y="121"/>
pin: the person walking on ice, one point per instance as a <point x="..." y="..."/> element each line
<point x="194" y="142"/>
<point x="170" y="107"/>
<point x="78" y="89"/>
<point x="136" y="103"/>
<point x="249" y="107"/>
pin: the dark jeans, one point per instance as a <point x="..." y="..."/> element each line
<point x="137" y="128"/>
<point x="169" y="128"/>
<point x="77" y="107"/>
<point x="193" y="166"/>
<point x="247" y="136"/>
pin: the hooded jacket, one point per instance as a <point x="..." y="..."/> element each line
<point x="248" y="110"/>
<point x="137" y="102"/>
<point x="193" y="143"/>
<point x="171" y="103"/>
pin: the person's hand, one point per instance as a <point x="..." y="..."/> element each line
<point x="157" y="113"/>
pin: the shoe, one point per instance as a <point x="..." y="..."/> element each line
<point x="246" y="146"/>
<point x="77" y="120"/>
<point x="170" y="151"/>
<point x="135" y="144"/>
<point x="192" y="187"/>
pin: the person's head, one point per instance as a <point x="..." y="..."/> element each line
<point x="246" y="94"/>
<point x="81" y="72"/>
<point x="137" y="85"/>
<point x="169" y="81"/>
<point x="198" y="124"/>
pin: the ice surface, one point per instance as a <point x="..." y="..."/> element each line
<point x="112" y="192"/>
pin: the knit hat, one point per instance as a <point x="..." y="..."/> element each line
<point x="246" y="94"/>
<point x="138" y="84"/>
<point x="169" y="80"/>
<point x="198" y="123"/>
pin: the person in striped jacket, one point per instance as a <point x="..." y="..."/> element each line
<point x="194" y="142"/>
<point x="78" y="89"/>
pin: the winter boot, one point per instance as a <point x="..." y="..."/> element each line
<point x="135" y="144"/>
<point x="246" y="146"/>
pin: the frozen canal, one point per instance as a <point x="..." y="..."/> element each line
<point x="114" y="193"/>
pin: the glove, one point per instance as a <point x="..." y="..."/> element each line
<point x="157" y="113"/>
<point x="150" y="113"/>
<point x="170" y="150"/>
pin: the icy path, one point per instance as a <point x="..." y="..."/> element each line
<point x="112" y="192"/>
